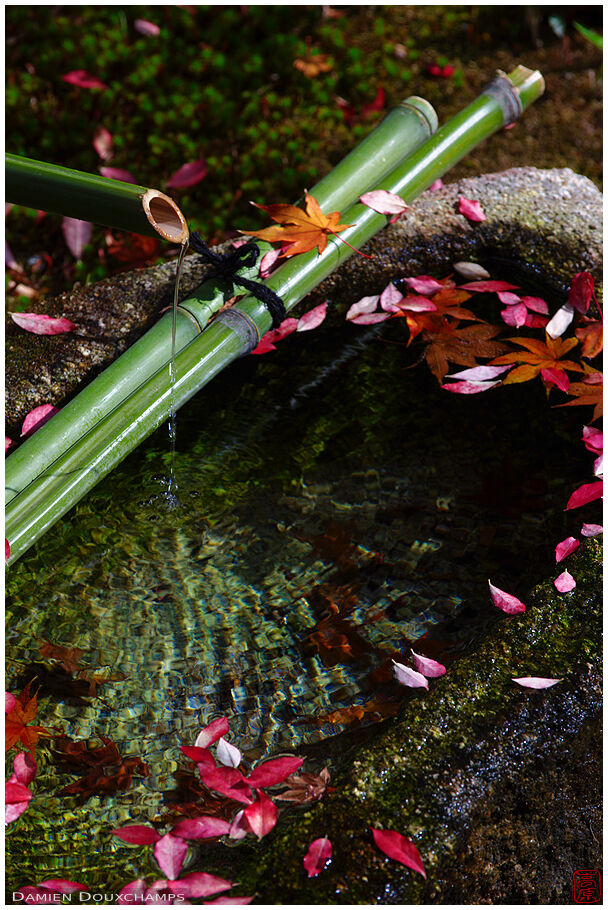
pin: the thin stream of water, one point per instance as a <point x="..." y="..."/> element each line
<point x="172" y="484"/>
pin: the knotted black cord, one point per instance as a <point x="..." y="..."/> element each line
<point x="226" y="266"/>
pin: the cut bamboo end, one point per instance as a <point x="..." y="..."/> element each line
<point x="165" y="217"/>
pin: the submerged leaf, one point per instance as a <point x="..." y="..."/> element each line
<point x="103" y="142"/>
<point x="83" y="79"/>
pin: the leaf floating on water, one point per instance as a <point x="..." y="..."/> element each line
<point x="170" y="852"/>
<point x="141" y="835"/>
<point x="318" y="855"/>
<point x="535" y="682"/>
<point x="41" y="324"/>
<point x="425" y="285"/>
<point x="363" y="306"/>
<point x="227" y="781"/>
<point x="274" y="771"/>
<point x="566" y="547"/>
<point x="427" y="666"/>
<point x="508" y="603"/>
<point x="262" y="814"/>
<point x="471" y="271"/>
<point x="469" y="388"/>
<point x="201" y="828"/>
<point x="312" y="318"/>
<point x="228" y="754"/>
<point x="581" y="291"/>
<point x="565" y="582"/>
<point x="591" y="530"/>
<point x="471" y="209"/>
<point x="212" y="732"/>
<point x="201" y="884"/>
<point x="399" y="848"/>
<point x="409" y="677"/>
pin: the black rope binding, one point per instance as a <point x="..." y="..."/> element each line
<point x="226" y="266"/>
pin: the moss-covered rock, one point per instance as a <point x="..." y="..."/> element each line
<point x="497" y="785"/>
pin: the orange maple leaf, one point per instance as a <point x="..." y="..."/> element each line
<point x="461" y="346"/>
<point x="17" y="722"/>
<point x="590" y="391"/>
<point x="447" y="304"/>
<point x="303" y="231"/>
<point x="539" y="355"/>
<point x="590" y="334"/>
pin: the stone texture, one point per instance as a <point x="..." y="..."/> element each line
<point x="542" y="227"/>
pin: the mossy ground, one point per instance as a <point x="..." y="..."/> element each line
<point x="220" y="83"/>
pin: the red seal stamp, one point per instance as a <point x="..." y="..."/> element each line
<point x="587" y="886"/>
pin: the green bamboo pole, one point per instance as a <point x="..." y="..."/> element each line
<point x="236" y="331"/>
<point x="64" y="191"/>
<point x="403" y="130"/>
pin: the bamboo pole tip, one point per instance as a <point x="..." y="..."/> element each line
<point x="165" y="217"/>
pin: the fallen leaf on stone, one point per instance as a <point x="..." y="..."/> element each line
<point x="424" y="284"/>
<point x="566" y="547"/>
<point x="317" y="856"/>
<point x="40" y="324"/>
<point x="409" y="677"/>
<point x="565" y="582"/>
<point x="385" y="203"/>
<point x="535" y="682"/>
<point x="471" y="209"/>
<point x="37" y="417"/>
<point x="508" y="603"/>
<point x="399" y="848"/>
<point x="428" y="667"/>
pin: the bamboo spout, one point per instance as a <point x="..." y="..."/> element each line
<point x="112" y="435"/>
